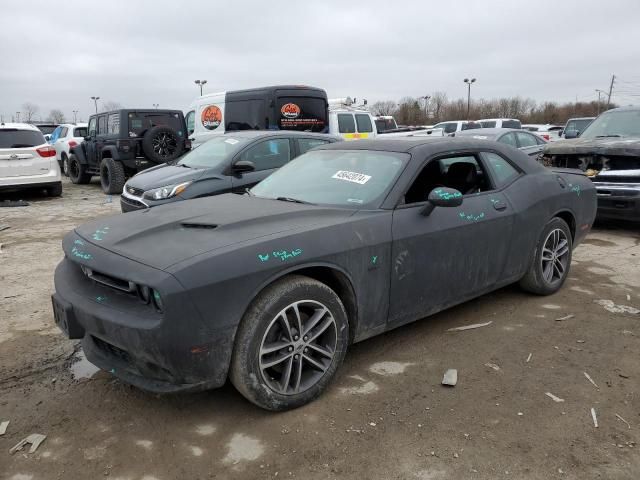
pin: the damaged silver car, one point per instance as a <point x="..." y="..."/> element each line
<point x="608" y="151"/>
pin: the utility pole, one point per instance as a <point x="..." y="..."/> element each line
<point x="613" y="79"/>
<point x="600" y="92"/>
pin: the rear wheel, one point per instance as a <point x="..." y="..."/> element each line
<point x="78" y="171"/>
<point x="290" y="344"/>
<point x="552" y="259"/>
<point x="112" y="176"/>
<point x="65" y="164"/>
<point x="55" y="191"/>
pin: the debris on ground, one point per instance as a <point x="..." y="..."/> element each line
<point x="529" y="357"/>
<point x="450" y="377"/>
<point x="35" y="439"/>
<point x="14" y="203"/>
<point x="620" y="418"/>
<point x="590" y="379"/>
<point x="566" y="317"/>
<point x="554" y="398"/>
<point x="595" y="419"/>
<point x="492" y="365"/>
<point x="628" y="297"/>
<point x="613" y="308"/>
<point x="3" y="427"/>
<point x="4" y="226"/>
<point x="469" y="327"/>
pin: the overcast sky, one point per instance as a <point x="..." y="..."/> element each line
<point x="138" y="52"/>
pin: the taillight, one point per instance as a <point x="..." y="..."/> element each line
<point x="546" y="137"/>
<point x="73" y="143"/>
<point x="46" y="152"/>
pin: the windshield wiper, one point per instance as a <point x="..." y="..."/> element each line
<point x="183" y="165"/>
<point x="608" y="136"/>
<point x="293" y="200"/>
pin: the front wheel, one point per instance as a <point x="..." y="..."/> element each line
<point x="552" y="259"/>
<point x="289" y="344"/>
<point x="78" y="171"/>
<point x="112" y="176"/>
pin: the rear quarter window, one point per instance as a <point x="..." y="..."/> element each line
<point x="511" y="124"/>
<point x="306" y="144"/>
<point x="502" y="170"/>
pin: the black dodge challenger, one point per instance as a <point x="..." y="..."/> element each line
<point x="347" y="241"/>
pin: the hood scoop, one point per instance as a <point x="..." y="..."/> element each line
<point x="196" y="225"/>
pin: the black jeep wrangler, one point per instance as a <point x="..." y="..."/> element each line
<point x="123" y="142"/>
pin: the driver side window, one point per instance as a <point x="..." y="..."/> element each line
<point x="463" y="173"/>
<point x="92" y="127"/>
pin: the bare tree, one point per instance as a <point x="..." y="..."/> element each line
<point x="29" y="111"/>
<point x="386" y="107"/>
<point x="437" y="102"/>
<point x="56" y="116"/>
<point x="110" y="105"/>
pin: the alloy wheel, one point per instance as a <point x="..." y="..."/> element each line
<point x="298" y="347"/>
<point x="555" y="256"/>
<point x="164" y="144"/>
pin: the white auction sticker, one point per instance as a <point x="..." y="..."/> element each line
<point x="232" y="141"/>
<point x="354" y="177"/>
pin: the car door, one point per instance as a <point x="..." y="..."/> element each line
<point x="529" y="144"/>
<point x="101" y="136"/>
<point x="267" y="156"/>
<point x="454" y="253"/>
<point x="60" y="139"/>
<point x="90" y="145"/>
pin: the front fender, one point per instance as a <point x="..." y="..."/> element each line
<point x="79" y="153"/>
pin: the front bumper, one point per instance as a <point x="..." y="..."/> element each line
<point x="618" y="201"/>
<point x="160" y="352"/>
<point x="131" y="203"/>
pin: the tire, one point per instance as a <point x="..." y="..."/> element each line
<point x="65" y="164"/>
<point x="264" y="324"/>
<point x="162" y="144"/>
<point x="547" y="275"/>
<point x="112" y="176"/>
<point x="55" y="191"/>
<point x="78" y="171"/>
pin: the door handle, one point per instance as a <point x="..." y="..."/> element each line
<point x="500" y="205"/>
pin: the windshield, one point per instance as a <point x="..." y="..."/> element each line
<point x="214" y="152"/>
<point x="618" y="124"/>
<point x="577" y="125"/>
<point x="334" y="177"/>
<point x="10" y="138"/>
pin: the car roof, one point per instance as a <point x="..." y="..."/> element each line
<point x="401" y="145"/>
<point x="630" y="108"/>
<point x="274" y="133"/>
<point x="496" y="119"/>
<point x="18" y="126"/>
<point x="494" y="132"/>
<point x="584" y="118"/>
<point x="73" y="125"/>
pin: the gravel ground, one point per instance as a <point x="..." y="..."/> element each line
<point x="385" y="417"/>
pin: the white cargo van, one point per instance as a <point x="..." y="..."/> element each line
<point x="349" y="121"/>
<point x="282" y="107"/>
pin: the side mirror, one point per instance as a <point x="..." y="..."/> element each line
<point x="442" y="197"/>
<point x="571" y="134"/>
<point x="87" y="138"/>
<point x="243" y="166"/>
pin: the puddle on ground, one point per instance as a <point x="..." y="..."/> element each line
<point x="83" y="368"/>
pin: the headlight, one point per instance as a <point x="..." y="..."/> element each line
<point x="167" y="191"/>
<point x="157" y="300"/>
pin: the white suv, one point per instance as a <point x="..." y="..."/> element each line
<point x="27" y="160"/>
<point x="64" y="138"/>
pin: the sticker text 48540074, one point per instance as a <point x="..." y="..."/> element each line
<point x="354" y="177"/>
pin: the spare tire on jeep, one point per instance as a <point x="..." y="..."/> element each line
<point x="162" y="144"/>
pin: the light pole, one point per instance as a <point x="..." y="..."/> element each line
<point x="426" y="106"/>
<point x="18" y="117"/>
<point x="469" y="82"/>
<point x="95" y="101"/>
<point x="156" y="105"/>
<point x="201" y="84"/>
<point x="600" y="92"/>
<point x="75" y="116"/>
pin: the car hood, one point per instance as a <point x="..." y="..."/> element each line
<point x="163" y="236"/>
<point x="162" y="175"/>
<point x="597" y="146"/>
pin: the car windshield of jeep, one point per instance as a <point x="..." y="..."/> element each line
<point x="353" y="178"/>
<point x="622" y="123"/>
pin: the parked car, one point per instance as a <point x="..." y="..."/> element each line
<point x="529" y="143"/>
<point x="500" y="123"/>
<point x="46" y="129"/>
<point x="608" y="151"/>
<point x="345" y="242"/>
<point x="63" y="139"/>
<point x="27" y="160"/>
<point x="575" y="126"/>
<point x="227" y="163"/>
<point x="281" y="107"/>
<point x="549" y="132"/>
<point x="124" y="142"/>
<point x="453" y="126"/>
<point x="349" y="121"/>
<point x="385" y="123"/>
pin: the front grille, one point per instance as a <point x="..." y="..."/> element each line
<point x="138" y="192"/>
<point x="111" y="350"/>
<point x="129" y="204"/>
<point x="108" y="280"/>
